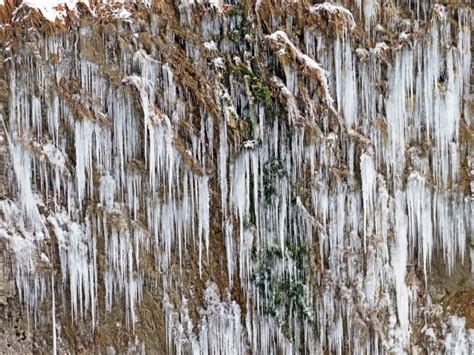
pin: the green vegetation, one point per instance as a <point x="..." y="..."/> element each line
<point x="259" y="89"/>
<point x="280" y="280"/>
<point x="246" y="127"/>
<point x="234" y="10"/>
<point x="234" y="36"/>
<point x="241" y="70"/>
<point x="272" y="171"/>
<point x="262" y="92"/>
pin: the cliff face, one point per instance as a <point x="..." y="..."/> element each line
<point x="235" y="177"/>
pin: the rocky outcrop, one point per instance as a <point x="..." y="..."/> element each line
<point x="236" y="177"/>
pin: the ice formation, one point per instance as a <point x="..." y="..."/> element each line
<point x="223" y="186"/>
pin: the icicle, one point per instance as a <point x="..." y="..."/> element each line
<point x="107" y="191"/>
<point x="203" y="219"/>
<point x="53" y="314"/>
<point x="345" y="80"/>
<point x="456" y="340"/>
<point x="419" y="219"/>
<point x="83" y="142"/>
<point x="399" y="265"/>
<point x="400" y="91"/>
<point x="368" y="176"/>
<point x="156" y="183"/>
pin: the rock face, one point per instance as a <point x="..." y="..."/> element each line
<point x="236" y="177"/>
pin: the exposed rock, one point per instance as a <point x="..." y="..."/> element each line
<point x="209" y="176"/>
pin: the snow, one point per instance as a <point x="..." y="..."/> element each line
<point x="56" y="10"/>
<point x="280" y="39"/>
<point x="52" y="9"/>
<point x="124" y="14"/>
<point x="211" y="46"/>
<point x="333" y="9"/>
<point x="219" y="63"/>
<point x="54" y="155"/>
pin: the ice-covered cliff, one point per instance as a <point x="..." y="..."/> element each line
<point x="236" y="176"/>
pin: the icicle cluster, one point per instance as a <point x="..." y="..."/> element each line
<point x="320" y="184"/>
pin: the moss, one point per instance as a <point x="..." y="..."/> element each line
<point x="226" y="101"/>
<point x="262" y="92"/>
<point x="241" y="70"/>
<point x="272" y="171"/>
<point x="234" y="10"/>
<point x="259" y="89"/>
<point x="234" y="36"/>
<point x="284" y="294"/>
